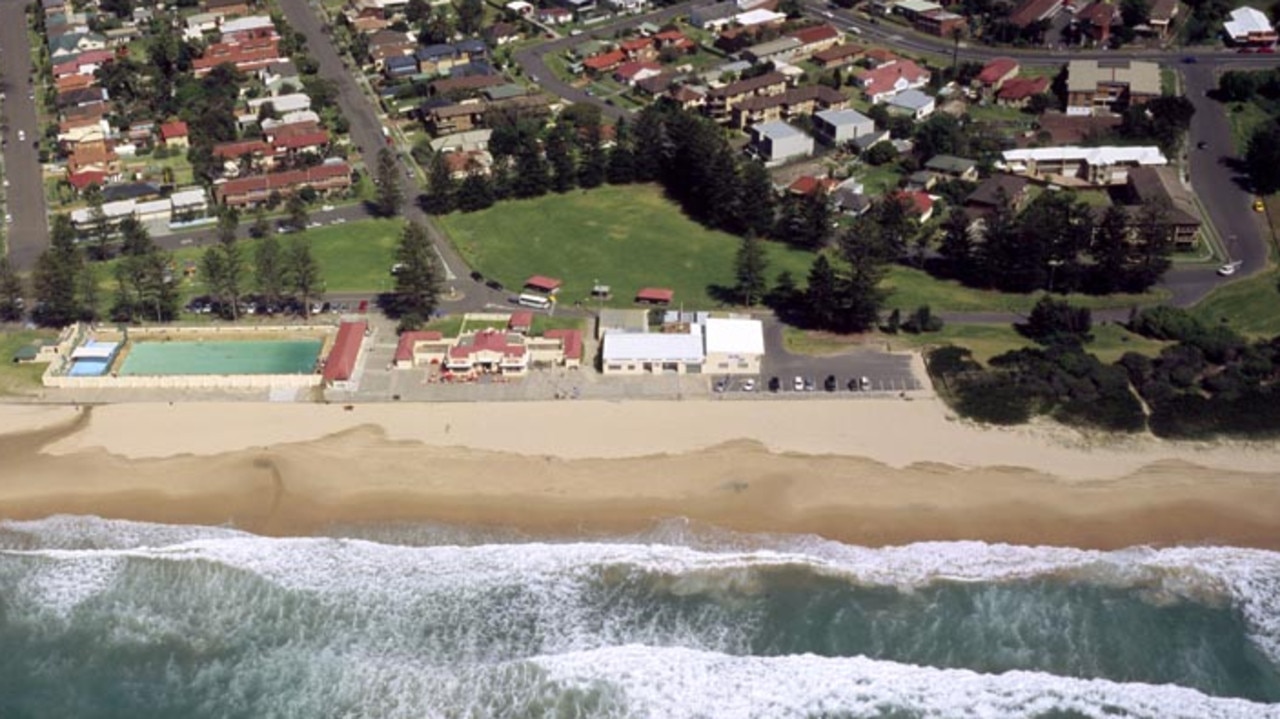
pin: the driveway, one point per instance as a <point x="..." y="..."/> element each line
<point x="28" y="234"/>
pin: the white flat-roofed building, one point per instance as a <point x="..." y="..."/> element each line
<point x="759" y="17"/>
<point x="1248" y="26"/>
<point x="652" y="352"/>
<point x="1081" y="166"/>
<point x="775" y="142"/>
<point x="153" y="210"/>
<point x="836" y="126"/>
<point x="734" y="346"/>
<point x="246" y="24"/>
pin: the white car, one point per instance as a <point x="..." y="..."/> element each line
<point x="326" y="208"/>
<point x="798" y="384"/>
<point x="749" y="385"/>
<point x="1229" y="269"/>
<point x="22" y="135"/>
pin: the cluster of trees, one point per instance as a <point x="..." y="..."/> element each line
<point x="146" y="282"/>
<point x="279" y="272"/>
<point x="1058" y="243"/>
<point x="64" y="282"/>
<point x="1262" y="154"/>
<point x="11" y="292"/>
<point x="419" y="278"/>
<point x="1211" y="382"/>
<point x="1163" y="120"/>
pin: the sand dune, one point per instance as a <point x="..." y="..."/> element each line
<point x="867" y="471"/>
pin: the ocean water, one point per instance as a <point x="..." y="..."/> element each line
<point x="106" y="618"/>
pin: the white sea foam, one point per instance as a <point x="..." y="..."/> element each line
<point x="1248" y="578"/>
<point x="678" y="682"/>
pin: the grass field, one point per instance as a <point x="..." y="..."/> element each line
<point x="353" y="257"/>
<point x="1251" y="306"/>
<point x="1109" y="343"/>
<point x="20" y="378"/>
<point x="1245" y="118"/>
<point x="627" y="237"/>
<point x="912" y="288"/>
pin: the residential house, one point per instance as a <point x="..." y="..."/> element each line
<point x="1081" y="166"/>
<point x="118" y="37"/>
<point x="879" y="57"/>
<point x="1248" y="27"/>
<point x="780" y="50"/>
<point x="464" y="163"/>
<point x="386" y="9"/>
<point x="554" y="16"/>
<point x="1160" y="17"/>
<point x="888" y="80"/>
<point x="246" y="56"/>
<point x="281" y="104"/>
<point x="92" y="110"/>
<point x="656" y="85"/>
<point x="174" y="134"/>
<point x="275" y="76"/>
<point x="912" y="103"/>
<point x="815" y="39"/>
<point x="470" y="114"/>
<point x="674" y="39"/>
<point x="917" y="202"/>
<point x="459" y="87"/>
<point x="809" y="185"/>
<point x="995" y="74"/>
<point x="957" y="168"/>
<point x="1095" y="20"/>
<point x="439" y="59"/>
<point x="64" y="46"/>
<point x="1160" y="186"/>
<point x="850" y="199"/>
<point x="297" y="138"/>
<point x="74" y="132"/>
<point x="776" y="142"/>
<point x="257" y="189"/>
<point x="687" y="97"/>
<point x="96" y="157"/>
<point x="642" y="49"/>
<point x="993" y="191"/>
<point x="226" y="8"/>
<point x="519" y="9"/>
<point x="73" y="82"/>
<point x="82" y="97"/>
<point x="835" y="127"/>
<point x="759" y="17"/>
<point x="245" y="29"/>
<point x="200" y="23"/>
<point x="720" y="100"/>
<point x="713" y="17"/>
<point x="838" y="56"/>
<point x="251" y="155"/>
<point x="913" y="9"/>
<point x="794" y="102"/>
<point x="397" y="67"/>
<point x="385" y="44"/>
<point x="1101" y="86"/>
<point x="579" y="7"/>
<point x="1032" y="11"/>
<point x="1018" y="91"/>
<point x="941" y="23"/>
<point x="605" y="63"/>
<point x="628" y="7"/>
<point x="502" y="33"/>
<point x="870" y="140"/>
<point x="629" y="73"/>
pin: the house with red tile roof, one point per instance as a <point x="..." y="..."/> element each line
<point x="1019" y="90"/>
<point x="605" y="62"/>
<point x="888" y="80"/>
<point x="994" y="74"/>
<point x="174" y="134"/>
<point x="918" y="203"/>
<point x="816" y="39"/>
<point x="257" y="189"/>
<point x="629" y="73"/>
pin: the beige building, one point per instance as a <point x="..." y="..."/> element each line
<point x="1103" y="86"/>
<point x="733" y="346"/>
<point x="632" y="353"/>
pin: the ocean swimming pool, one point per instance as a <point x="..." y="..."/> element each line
<point x="221" y="357"/>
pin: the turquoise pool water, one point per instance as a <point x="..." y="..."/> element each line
<point x="222" y="357"/>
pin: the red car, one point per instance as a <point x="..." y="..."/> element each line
<point x="364" y="306"/>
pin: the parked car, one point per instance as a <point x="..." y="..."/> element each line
<point x="748" y="385"/>
<point x="1229" y="269"/>
<point x="775" y="384"/>
<point x="798" y="384"/>
<point x="476" y="276"/>
<point x="809" y="386"/>
<point x="494" y="285"/>
<point x="865" y="383"/>
<point x="720" y="385"/>
<point x="829" y="384"/>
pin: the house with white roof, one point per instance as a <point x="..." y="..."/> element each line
<point x="913" y="103"/>
<point x="733" y="345"/>
<point x="1080" y="166"/>
<point x="632" y="353"/>
<point x="1248" y="27"/>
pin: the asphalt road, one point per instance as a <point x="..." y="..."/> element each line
<point x="28" y="234"/>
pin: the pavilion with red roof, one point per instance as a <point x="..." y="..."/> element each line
<point x="545" y="285"/>
<point x="340" y="365"/>
<point x="655" y="295"/>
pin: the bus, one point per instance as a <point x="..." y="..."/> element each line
<point x="536" y="301"/>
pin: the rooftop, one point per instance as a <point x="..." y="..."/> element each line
<point x="734" y="336"/>
<point x="1141" y="155"/>
<point x="652" y="347"/>
<point x="1086" y="75"/>
<point x="1245" y="21"/>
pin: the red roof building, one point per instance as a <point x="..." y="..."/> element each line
<point x="916" y="201"/>
<point x="296" y="141"/>
<point x="540" y="283"/>
<point x="571" y="340"/>
<point x="82" y="180"/>
<point x="636" y="46"/>
<point x="520" y="322"/>
<point x="632" y="72"/>
<point x="604" y="62"/>
<point x="808" y="185"/>
<point x="173" y="130"/>
<point x="1018" y="90"/>
<point x="238" y="149"/>
<point x="404" y="347"/>
<point x="655" y="295"/>
<point x="488" y="349"/>
<point x="817" y="35"/>
<point x="341" y="362"/>
<point x="258" y="188"/>
<point x="995" y="73"/>
<point x="888" y="80"/>
<point x="1030" y="11"/>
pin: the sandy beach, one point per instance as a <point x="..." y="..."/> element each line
<point x="868" y="471"/>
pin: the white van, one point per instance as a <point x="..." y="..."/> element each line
<point x="535" y="301"/>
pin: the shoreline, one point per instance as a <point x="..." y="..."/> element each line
<point x="869" y="471"/>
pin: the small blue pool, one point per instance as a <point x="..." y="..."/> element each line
<point x="89" y="367"/>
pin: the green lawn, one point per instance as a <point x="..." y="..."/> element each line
<point x="1168" y="81"/>
<point x="1110" y="341"/>
<point x="1245" y="118"/>
<point x="353" y="257"/>
<point x="1251" y="306"/>
<point x="879" y="180"/>
<point x="627" y="237"/>
<point x="912" y="288"/>
<point x="20" y="378"/>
